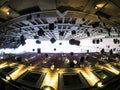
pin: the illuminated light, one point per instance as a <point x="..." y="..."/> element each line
<point x="77" y="70"/>
<point x="26" y="60"/>
<point x="58" y="69"/>
<point x="100" y="5"/>
<point x="89" y="76"/>
<point x="81" y="65"/>
<point x="13" y="64"/>
<point x="111" y="69"/>
<point x="32" y="57"/>
<point x="51" y="78"/>
<point x="104" y="76"/>
<point x="17" y="72"/>
<point x="75" y="61"/>
<point x="8" y="13"/>
<point x="44" y="61"/>
<point x="96" y="7"/>
<point x="1" y="57"/>
<point x="67" y="61"/>
<point x="3" y="65"/>
<point x="52" y="67"/>
<point x="107" y="58"/>
<point x="16" y="57"/>
<point x="8" y="78"/>
<point x="21" y="69"/>
<point x="100" y="66"/>
<point x="99" y="84"/>
<point x="90" y="66"/>
<point x="5" y="9"/>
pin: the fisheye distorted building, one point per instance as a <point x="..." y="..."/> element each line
<point x="59" y="45"/>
